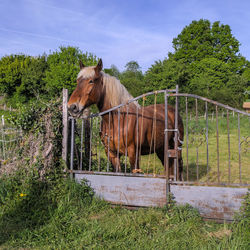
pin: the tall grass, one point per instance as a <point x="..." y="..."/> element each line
<point x="61" y="214"/>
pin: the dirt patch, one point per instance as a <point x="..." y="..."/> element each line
<point x="221" y="233"/>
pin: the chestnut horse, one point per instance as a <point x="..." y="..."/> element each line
<point x="141" y="129"/>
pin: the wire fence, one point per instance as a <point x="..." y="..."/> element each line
<point x="9" y="141"/>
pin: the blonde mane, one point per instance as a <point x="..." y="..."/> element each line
<point x="116" y="93"/>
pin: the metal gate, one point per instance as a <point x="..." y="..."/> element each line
<point x="215" y="150"/>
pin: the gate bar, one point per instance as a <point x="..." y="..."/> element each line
<point x="126" y="149"/>
<point x="72" y="146"/>
<point x="81" y="143"/>
<point x="229" y="156"/>
<point x="207" y="139"/>
<point x="166" y="159"/>
<point x="197" y="150"/>
<point x="176" y="161"/>
<point x="108" y="144"/>
<point x="217" y="142"/>
<point x="118" y="146"/>
<point x="137" y="139"/>
<point x="239" y="147"/>
<point x="187" y="135"/>
<point x="90" y="144"/>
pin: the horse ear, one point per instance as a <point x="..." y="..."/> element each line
<point x="99" y="65"/>
<point x="81" y="64"/>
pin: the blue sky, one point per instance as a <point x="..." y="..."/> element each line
<point x="116" y="31"/>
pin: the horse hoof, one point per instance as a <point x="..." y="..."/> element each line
<point x="134" y="171"/>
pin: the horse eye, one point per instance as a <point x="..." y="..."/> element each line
<point x="91" y="81"/>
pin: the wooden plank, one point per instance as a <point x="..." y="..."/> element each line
<point x="129" y="191"/>
<point x="212" y="202"/>
<point x="65" y="126"/>
<point x="218" y="203"/>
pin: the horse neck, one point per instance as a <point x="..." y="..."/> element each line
<point x="103" y="103"/>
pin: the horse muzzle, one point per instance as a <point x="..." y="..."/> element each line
<point x="74" y="110"/>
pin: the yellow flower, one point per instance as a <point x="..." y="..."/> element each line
<point x="22" y="195"/>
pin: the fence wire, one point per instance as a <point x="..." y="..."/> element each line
<point x="9" y="142"/>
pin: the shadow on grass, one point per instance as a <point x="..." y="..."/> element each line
<point x="194" y="173"/>
<point x="30" y="210"/>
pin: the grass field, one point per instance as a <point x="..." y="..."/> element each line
<point x="61" y="214"/>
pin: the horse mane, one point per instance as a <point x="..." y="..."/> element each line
<point x="116" y="93"/>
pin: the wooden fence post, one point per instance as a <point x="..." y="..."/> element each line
<point x="65" y="126"/>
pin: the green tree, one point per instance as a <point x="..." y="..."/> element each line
<point x="63" y="67"/>
<point x="206" y="61"/>
<point x="200" y="40"/>
<point x="132" y="66"/>
<point x="32" y="83"/>
<point x="132" y="78"/>
<point x="11" y="72"/>
<point x="166" y="74"/>
<point x="113" y="71"/>
<point x="22" y="77"/>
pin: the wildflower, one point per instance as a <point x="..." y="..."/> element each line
<point x="22" y="195"/>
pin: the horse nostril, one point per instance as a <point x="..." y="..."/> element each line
<point x="73" y="108"/>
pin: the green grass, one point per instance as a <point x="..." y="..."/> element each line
<point x="61" y="214"/>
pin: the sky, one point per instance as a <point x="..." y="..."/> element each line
<point x="116" y="31"/>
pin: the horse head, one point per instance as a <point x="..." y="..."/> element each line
<point x="88" y="89"/>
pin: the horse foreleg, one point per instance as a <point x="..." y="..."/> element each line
<point x="116" y="163"/>
<point x="134" y="163"/>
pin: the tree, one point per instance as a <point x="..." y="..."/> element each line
<point x="22" y="77"/>
<point x="132" y="66"/>
<point x="113" y="71"/>
<point x="32" y="83"/>
<point x="63" y="67"/>
<point x="200" y="40"/>
<point x="132" y="78"/>
<point x="11" y="71"/>
<point x="206" y="60"/>
<point x="166" y="74"/>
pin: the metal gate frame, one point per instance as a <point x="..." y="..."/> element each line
<point x="147" y="191"/>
